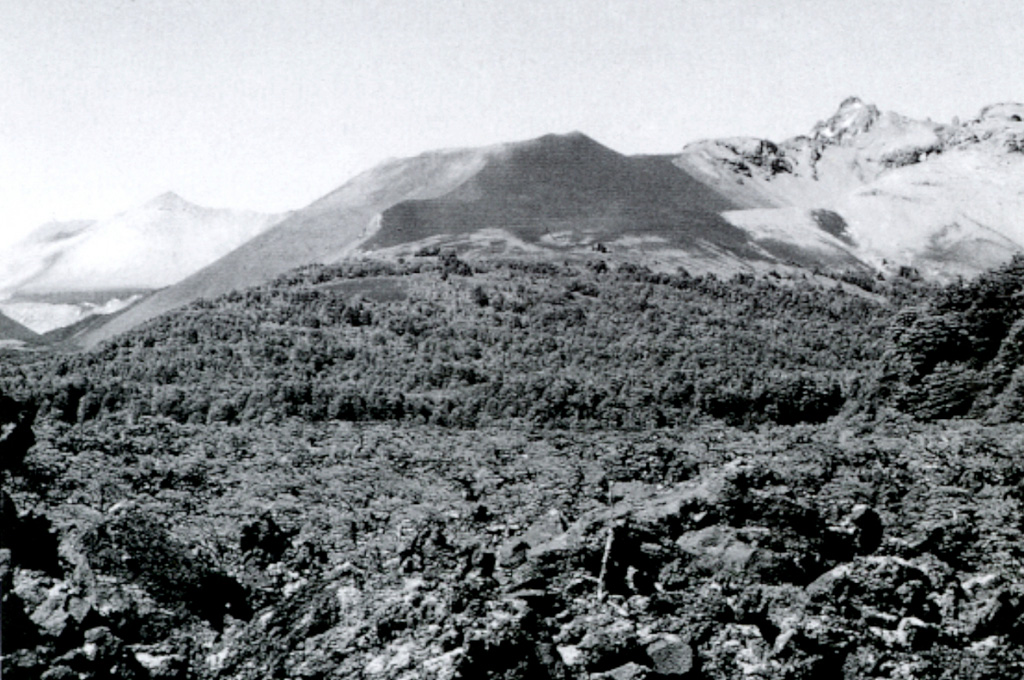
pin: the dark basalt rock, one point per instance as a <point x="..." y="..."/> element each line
<point x="134" y="546"/>
<point x="264" y="541"/>
<point x="29" y="538"/>
<point x="16" y="435"/>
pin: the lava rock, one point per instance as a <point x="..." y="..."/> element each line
<point x="725" y="551"/>
<point x="611" y="646"/>
<point x="1001" y="614"/>
<point x="263" y="541"/>
<point x="671" y="657"/>
<point x="16" y="435"/>
<point x="916" y="634"/>
<point x="29" y="538"/>
<point x="868" y="529"/>
<point x="19" y="631"/>
<point x="519" y="650"/>
<point x="135" y="546"/>
<point x="103" y="655"/>
<point x="629" y="671"/>
<point x="884" y="583"/>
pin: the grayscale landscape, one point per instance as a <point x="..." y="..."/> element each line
<point x="742" y="405"/>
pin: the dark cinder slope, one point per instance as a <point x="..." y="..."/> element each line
<point x="568" y="183"/>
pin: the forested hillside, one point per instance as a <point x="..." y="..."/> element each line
<point x="963" y="353"/>
<point x="443" y="342"/>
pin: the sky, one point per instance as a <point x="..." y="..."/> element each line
<point x="269" y="104"/>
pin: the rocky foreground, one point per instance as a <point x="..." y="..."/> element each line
<point x="875" y="550"/>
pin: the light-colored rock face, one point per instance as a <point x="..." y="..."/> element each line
<point x="947" y="199"/>
<point x="853" y="118"/>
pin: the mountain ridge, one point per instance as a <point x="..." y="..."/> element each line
<point x="933" y="196"/>
<point x="519" y="195"/>
<point x="149" y="246"/>
<point x="864" y="189"/>
<point x="12" y="331"/>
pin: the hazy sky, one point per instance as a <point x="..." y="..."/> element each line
<point x="268" y="104"/>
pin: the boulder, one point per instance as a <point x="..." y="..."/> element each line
<point x="162" y="666"/>
<point x="671" y="657"/>
<point x="1002" y="613"/>
<point x="726" y="552"/>
<point x="572" y="656"/>
<point x="103" y="655"/>
<point x="611" y="646"/>
<point x="543" y="529"/>
<point x="514" y="648"/>
<point x="51" y="617"/>
<point x="916" y="634"/>
<point x="887" y="584"/>
<point x="868" y="528"/>
<point x="736" y="650"/>
<point x="136" y="547"/>
<point x="629" y="671"/>
<point x="263" y="541"/>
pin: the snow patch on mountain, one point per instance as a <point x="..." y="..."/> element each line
<point x="63" y="272"/>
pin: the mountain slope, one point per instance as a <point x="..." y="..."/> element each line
<point x="325" y="231"/>
<point x="945" y="199"/>
<point x="865" y="189"/>
<point x="553" y="196"/>
<point x="528" y="191"/>
<point x="11" y="330"/>
<point x="65" y="271"/>
<point x="151" y="246"/>
<point x="568" y="186"/>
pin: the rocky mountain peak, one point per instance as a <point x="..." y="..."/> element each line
<point x="852" y="118"/>
<point x="998" y="127"/>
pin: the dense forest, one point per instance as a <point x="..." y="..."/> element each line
<point x="439" y="468"/>
<point x="446" y="343"/>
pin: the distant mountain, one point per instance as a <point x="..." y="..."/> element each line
<point x="863" y="190"/>
<point x="947" y="199"/>
<point x="12" y="331"/>
<point x="325" y="231"/>
<point x="64" y="270"/>
<point x="148" y="247"/>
